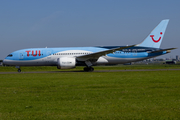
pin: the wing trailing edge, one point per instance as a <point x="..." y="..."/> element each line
<point x="168" y="50"/>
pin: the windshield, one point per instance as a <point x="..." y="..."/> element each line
<point x="10" y="55"/>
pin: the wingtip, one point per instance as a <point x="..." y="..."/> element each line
<point x="166" y="20"/>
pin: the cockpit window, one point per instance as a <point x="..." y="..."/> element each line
<point x="10" y="55"/>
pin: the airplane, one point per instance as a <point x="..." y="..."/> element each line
<point x="70" y="57"/>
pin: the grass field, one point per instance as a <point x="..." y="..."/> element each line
<point x="91" y="95"/>
<point x="118" y="67"/>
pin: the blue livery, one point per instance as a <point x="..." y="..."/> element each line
<point x="70" y="57"/>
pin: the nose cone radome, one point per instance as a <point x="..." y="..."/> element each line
<point x="5" y="62"/>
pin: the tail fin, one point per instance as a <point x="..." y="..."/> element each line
<point x="154" y="39"/>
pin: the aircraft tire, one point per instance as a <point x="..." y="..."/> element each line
<point x="19" y="70"/>
<point x="88" y="69"/>
<point x="91" y="69"/>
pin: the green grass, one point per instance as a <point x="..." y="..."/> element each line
<point x="117" y="67"/>
<point x="83" y="95"/>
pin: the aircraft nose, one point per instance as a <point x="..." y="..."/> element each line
<point x="4" y="62"/>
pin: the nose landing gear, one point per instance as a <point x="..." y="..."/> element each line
<point x="18" y="67"/>
<point x="19" y="70"/>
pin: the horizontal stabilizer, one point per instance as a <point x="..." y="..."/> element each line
<point x="167" y="50"/>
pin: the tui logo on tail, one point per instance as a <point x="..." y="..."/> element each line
<point x="156" y="41"/>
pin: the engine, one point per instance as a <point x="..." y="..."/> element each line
<point x="66" y="63"/>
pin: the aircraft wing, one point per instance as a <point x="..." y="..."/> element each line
<point x="167" y="50"/>
<point x="101" y="53"/>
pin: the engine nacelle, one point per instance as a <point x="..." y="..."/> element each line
<point x="66" y="63"/>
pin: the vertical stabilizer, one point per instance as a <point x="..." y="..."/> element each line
<point x="154" y="39"/>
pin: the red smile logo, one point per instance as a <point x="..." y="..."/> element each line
<point x="156" y="41"/>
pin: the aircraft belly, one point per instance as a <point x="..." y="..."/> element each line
<point x="39" y="62"/>
<point x="113" y="60"/>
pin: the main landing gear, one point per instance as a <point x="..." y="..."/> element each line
<point x="18" y="67"/>
<point x="88" y="69"/>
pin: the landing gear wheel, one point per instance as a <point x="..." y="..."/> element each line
<point x="91" y="69"/>
<point x="88" y="69"/>
<point x="19" y="70"/>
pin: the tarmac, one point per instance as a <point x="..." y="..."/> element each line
<point x="90" y="72"/>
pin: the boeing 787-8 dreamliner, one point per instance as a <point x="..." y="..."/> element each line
<point x="70" y="57"/>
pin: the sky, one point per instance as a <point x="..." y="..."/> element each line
<point x="79" y="23"/>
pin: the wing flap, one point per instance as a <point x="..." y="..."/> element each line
<point x="167" y="50"/>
